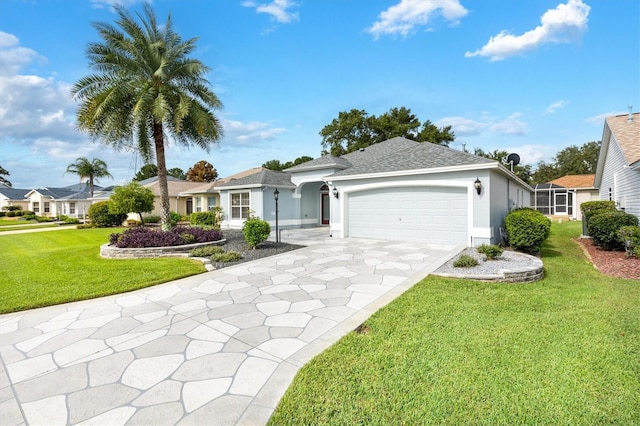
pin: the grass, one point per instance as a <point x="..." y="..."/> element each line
<point x="12" y="225"/>
<point x="48" y="268"/>
<point x="564" y="350"/>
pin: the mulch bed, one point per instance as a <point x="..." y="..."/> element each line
<point x="611" y="263"/>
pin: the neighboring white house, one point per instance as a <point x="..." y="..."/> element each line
<point x="54" y="202"/>
<point x="562" y="197"/>
<point x="13" y="197"/>
<point x="618" y="171"/>
<point x="397" y="189"/>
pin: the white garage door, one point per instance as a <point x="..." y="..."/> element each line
<point x="430" y="214"/>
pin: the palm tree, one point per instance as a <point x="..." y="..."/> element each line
<point x="144" y="85"/>
<point x="92" y="170"/>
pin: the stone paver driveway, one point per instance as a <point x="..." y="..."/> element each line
<point x="217" y="348"/>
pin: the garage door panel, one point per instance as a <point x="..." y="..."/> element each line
<point x="433" y="214"/>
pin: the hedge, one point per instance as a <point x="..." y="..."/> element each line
<point x="527" y="229"/>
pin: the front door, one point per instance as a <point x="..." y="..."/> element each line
<point x="189" y="205"/>
<point x="561" y="203"/>
<point x="326" y="215"/>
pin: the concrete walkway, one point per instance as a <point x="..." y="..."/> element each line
<point x="218" y="348"/>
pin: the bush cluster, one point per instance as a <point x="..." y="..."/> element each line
<point x="226" y="257"/>
<point x="99" y="215"/>
<point x="15" y="211"/>
<point x="491" y="251"/>
<point x="465" y="261"/>
<point x="603" y="227"/>
<point x="212" y="217"/>
<point x="256" y="231"/>
<point x="206" y="251"/>
<point x="147" y="237"/>
<point x="527" y="229"/>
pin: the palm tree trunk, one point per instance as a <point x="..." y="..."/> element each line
<point x="162" y="177"/>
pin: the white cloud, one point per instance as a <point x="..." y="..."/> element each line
<point x="462" y="126"/>
<point x="14" y="57"/>
<point x="532" y="154"/>
<point x="408" y="14"/>
<point x="278" y="9"/>
<point x="511" y="125"/>
<point x="250" y="133"/>
<point x="566" y="23"/>
<point x="555" y="106"/>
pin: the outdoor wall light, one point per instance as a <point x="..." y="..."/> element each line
<point x="478" y="185"/>
<point x="335" y="192"/>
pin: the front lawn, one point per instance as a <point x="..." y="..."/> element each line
<point x="47" y="268"/>
<point x="564" y="350"/>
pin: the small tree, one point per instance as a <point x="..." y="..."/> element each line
<point x="202" y="171"/>
<point x="132" y="198"/>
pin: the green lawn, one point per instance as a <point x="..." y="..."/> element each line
<point x="564" y="350"/>
<point x="12" y="225"/>
<point x="47" y="268"/>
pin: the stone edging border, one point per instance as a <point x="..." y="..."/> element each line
<point x="524" y="274"/>
<point x="111" y="252"/>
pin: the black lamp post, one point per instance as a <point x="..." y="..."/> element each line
<point x="275" y="196"/>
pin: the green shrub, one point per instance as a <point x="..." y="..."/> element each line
<point x="29" y="217"/>
<point x="152" y="219"/>
<point x="603" y="228"/>
<point x="588" y="206"/>
<point x="11" y="208"/>
<point x="491" y="251"/>
<point x="174" y="218"/>
<point x="212" y="217"/>
<point x="99" y="215"/>
<point x="256" y="231"/>
<point x="630" y="236"/>
<point x="71" y="220"/>
<point x="44" y="219"/>
<point x="527" y="229"/>
<point x="465" y="261"/>
<point x="226" y="257"/>
<point x="206" y="251"/>
<point x="11" y="213"/>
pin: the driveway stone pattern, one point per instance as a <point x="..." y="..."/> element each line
<point x="217" y="348"/>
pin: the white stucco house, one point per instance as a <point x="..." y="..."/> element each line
<point x="398" y="189"/>
<point x="618" y="171"/>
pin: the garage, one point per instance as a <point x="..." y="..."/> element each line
<point x="432" y="214"/>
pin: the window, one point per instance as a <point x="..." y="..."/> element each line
<point x="198" y="204"/>
<point x="211" y="203"/>
<point x="36" y="207"/>
<point x="240" y="205"/>
<point x="72" y="208"/>
<point x="47" y="209"/>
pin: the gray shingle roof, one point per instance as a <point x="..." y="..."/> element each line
<point x="263" y="177"/>
<point x="400" y="154"/>
<point x="14" y="193"/>
<point x="321" y="162"/>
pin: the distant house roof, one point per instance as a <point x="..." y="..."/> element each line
<point x="575" y="181"/>
<point x="547" y="186"/>
<point x="627" y="134"/>
<point x="175" y="186"/>
<point x="61" y="193"/>
<point x="261" y="177"/>
<point x="14" y="193"/>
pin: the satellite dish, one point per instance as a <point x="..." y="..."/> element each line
<point x="513" y="159"/>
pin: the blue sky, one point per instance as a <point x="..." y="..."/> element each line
<point x="530" y="77"/>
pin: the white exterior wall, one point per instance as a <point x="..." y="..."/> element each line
<point x="479" y="206"/>
<point x="620" y="182"/>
